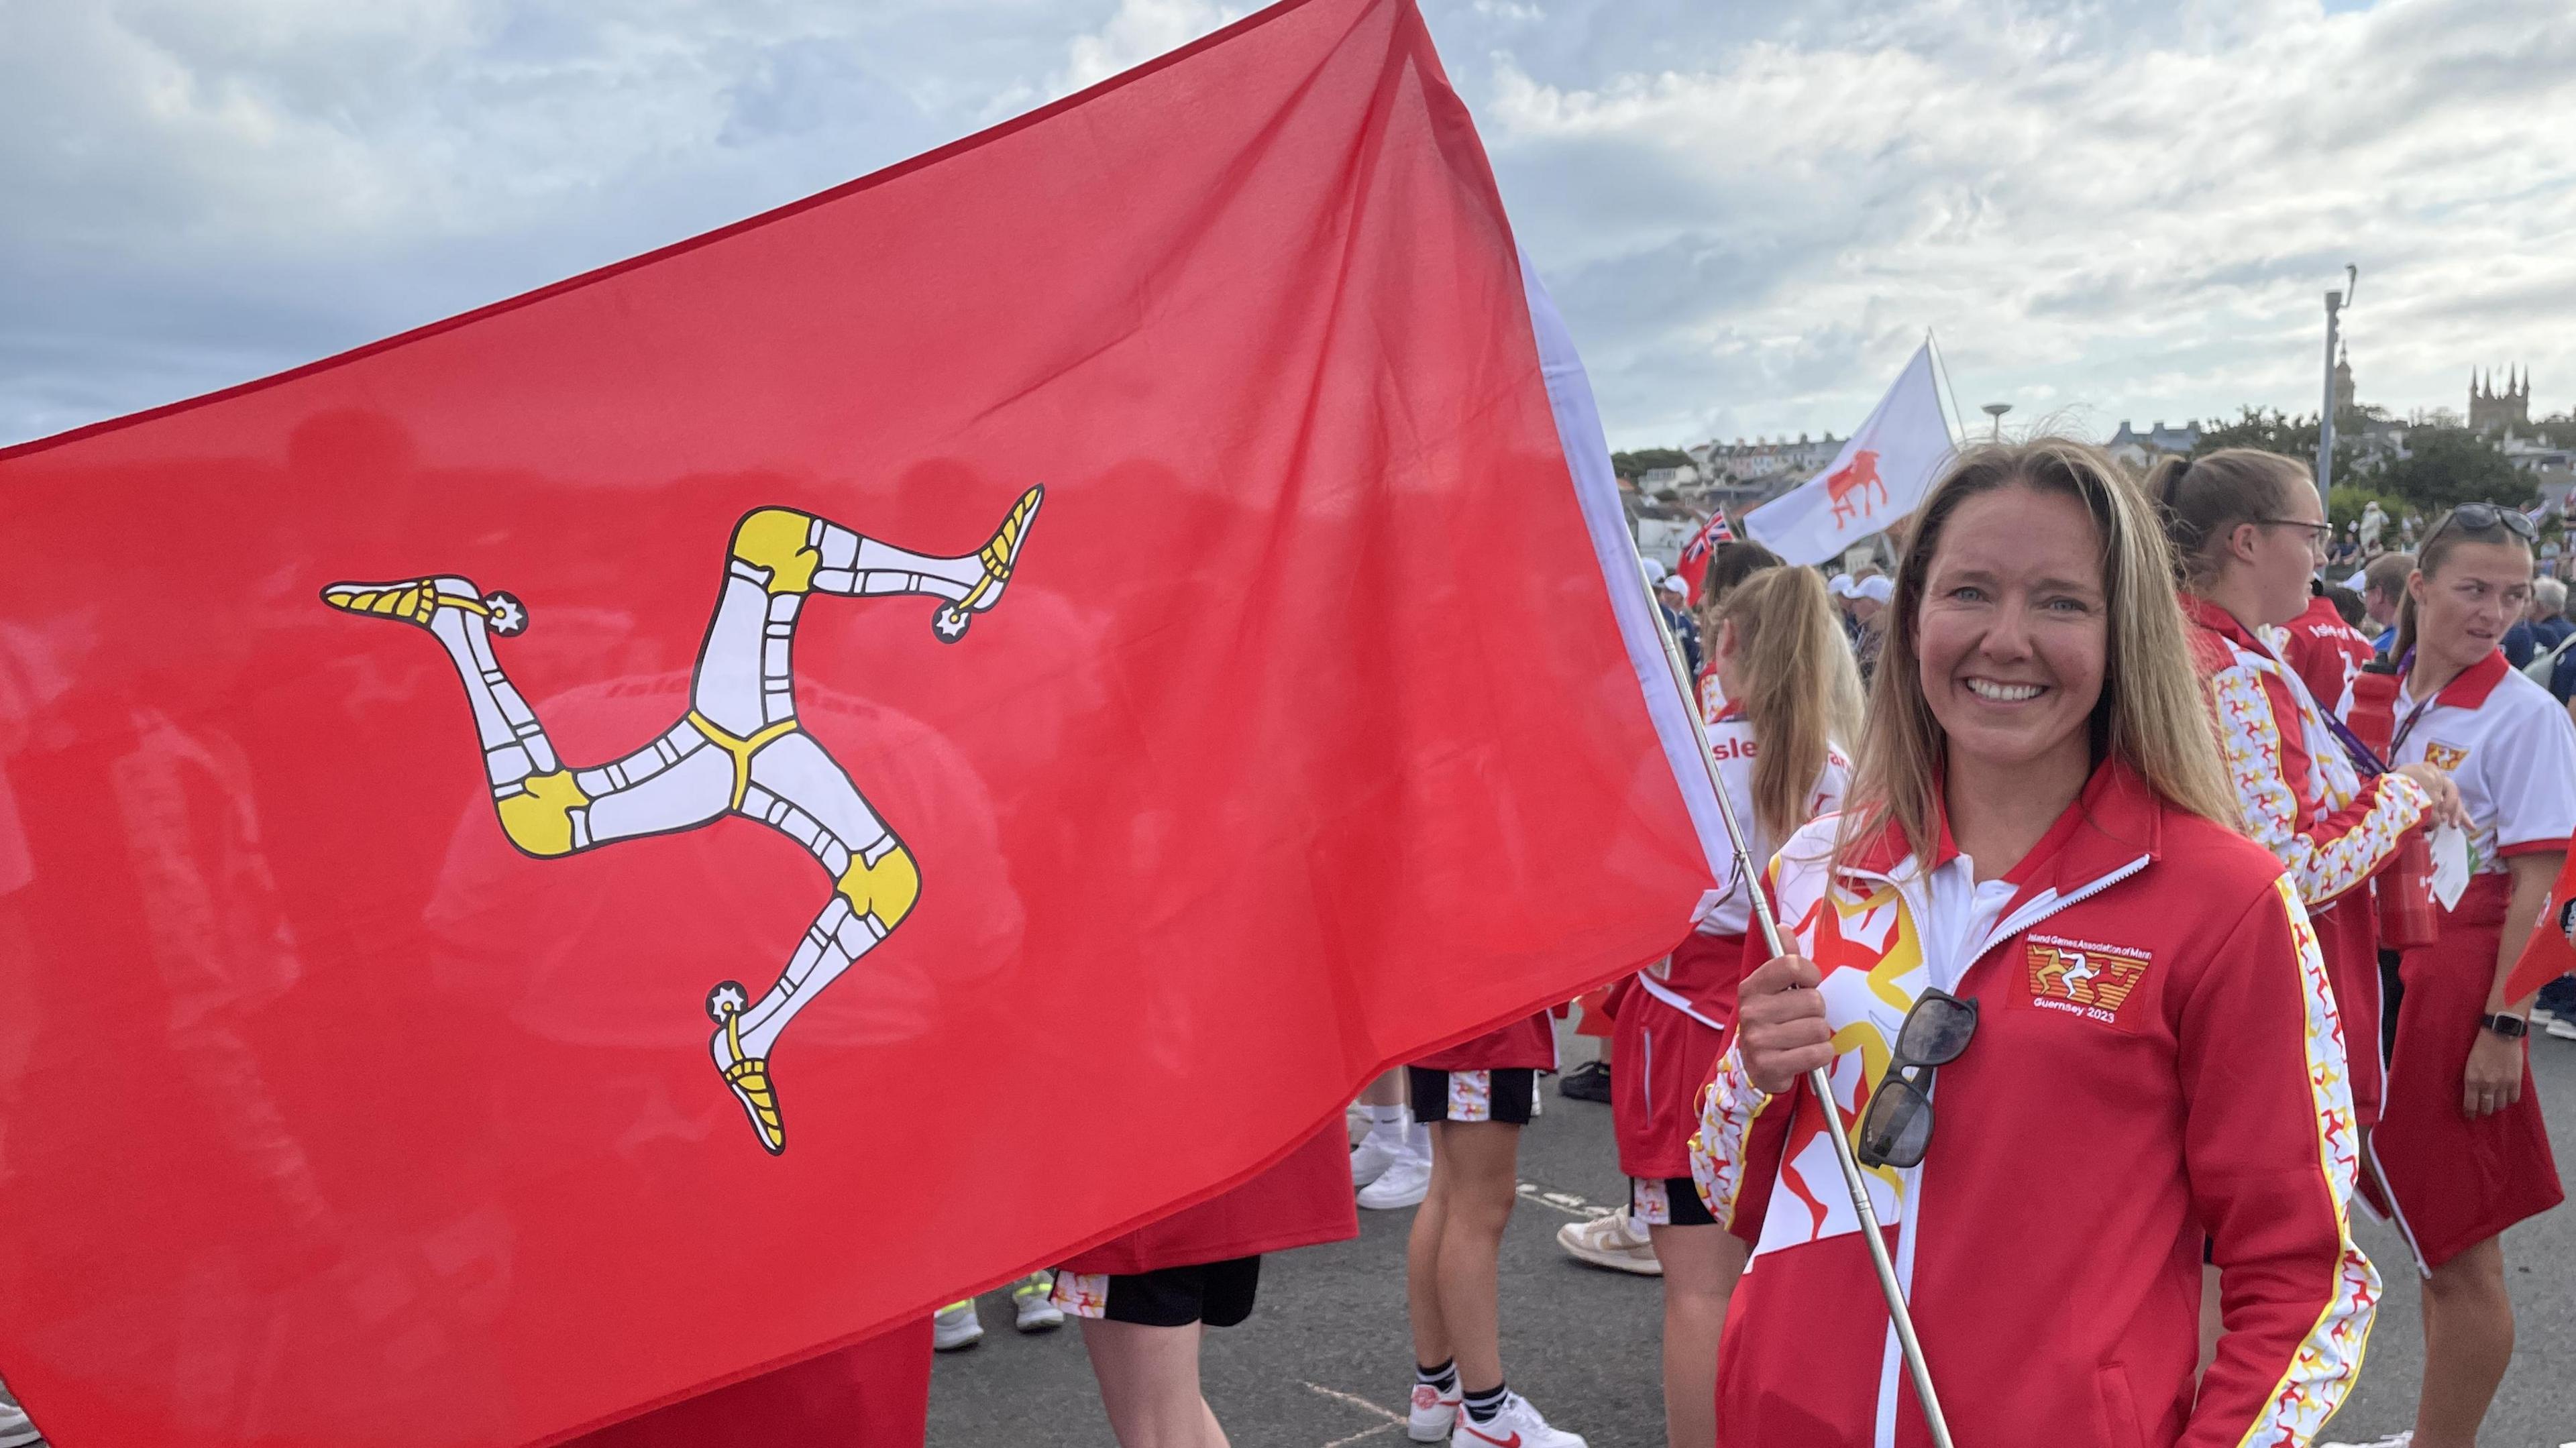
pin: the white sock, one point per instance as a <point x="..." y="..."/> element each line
<point x="1384" y="1116"/>
<point x="1417" y="1141"/>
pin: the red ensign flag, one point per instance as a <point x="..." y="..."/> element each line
<point x="669" y="824"/>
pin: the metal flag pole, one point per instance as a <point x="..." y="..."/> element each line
<point x="1817" y="1081"/>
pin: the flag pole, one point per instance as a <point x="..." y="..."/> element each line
<point x="1817" y="1081"/>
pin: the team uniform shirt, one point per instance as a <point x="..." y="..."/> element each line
<point x="2326" y="653"/>
<point x="2511" y="750"/>
<point x="1729" y="909"/>
<point x="2157" y="1064"/>
<point x="1669" y="1019"/>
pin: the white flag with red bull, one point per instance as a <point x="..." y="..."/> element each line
<point x="1878" y="477"/>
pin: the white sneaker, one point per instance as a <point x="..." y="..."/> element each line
<point x="1434" y="1413"/>
<point x="1376" y="1152"/>
<point x="1403" y="1184"/>
<point x="2393" y="1440"/>
<point x="956" y="1326"/>
<point x="1518" y="1425"/>
<point x="1613" y="1242"/>
<point x="2561" y="1027"/>
<point x="1035" y="1299"/>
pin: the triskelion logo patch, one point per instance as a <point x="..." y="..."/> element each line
<point x="2084" y="977"/>
<point x="2445" y="756"/>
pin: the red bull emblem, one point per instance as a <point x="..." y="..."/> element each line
<point x="1850" y="487"/>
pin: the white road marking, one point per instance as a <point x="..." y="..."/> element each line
<point x="1394" y="1420"/>
<point x="1566" y="1202"/>
<point x="1356" y="1401"/>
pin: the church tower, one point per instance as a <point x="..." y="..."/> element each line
<point x="2344" y="394"/>
<point x="2491" y="410"/>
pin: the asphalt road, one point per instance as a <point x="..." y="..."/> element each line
<point x="1325" y="1363"/>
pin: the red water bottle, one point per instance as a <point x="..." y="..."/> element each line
<point x="2406" y="917"/>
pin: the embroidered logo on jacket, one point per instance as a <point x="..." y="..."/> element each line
<point x="2084" y="977"/>
<point x="2445" y="756"/>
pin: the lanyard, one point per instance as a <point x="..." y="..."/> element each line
<point x="2363" y="760"/>
<point x="2397" y="740"/>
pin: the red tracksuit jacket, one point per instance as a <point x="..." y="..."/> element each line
<point x="2157" y="1061"/>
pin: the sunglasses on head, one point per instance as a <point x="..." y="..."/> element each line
<point x="1896" y="1126"/>
<point x="2479" y="517"/>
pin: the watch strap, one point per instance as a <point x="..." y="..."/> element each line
<point x="2511" y="1026"/>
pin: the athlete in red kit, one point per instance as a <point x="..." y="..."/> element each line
<point x="2077" y="1022"/>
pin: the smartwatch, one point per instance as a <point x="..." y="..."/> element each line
<point x="2508" y="1027"/>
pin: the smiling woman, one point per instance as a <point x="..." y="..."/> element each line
<point x="2039" y="899"/>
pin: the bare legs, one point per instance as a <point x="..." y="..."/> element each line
<point x="1149" y="1382"/>
<point x="1449" y="1269"/>
<point x="2468" y="1342"/>
<point x="1701" y="1265"/>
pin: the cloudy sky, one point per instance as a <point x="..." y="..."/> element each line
<point x="1750" y="210"/>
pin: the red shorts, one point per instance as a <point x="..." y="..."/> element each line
<point x="2457" y="1182"/>
<point x="2348" y="938"/>
<point x="1525" y="1044"/>
<point x="1662" y="1053"/>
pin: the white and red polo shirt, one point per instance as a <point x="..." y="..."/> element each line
<point x="2511" y="749"/>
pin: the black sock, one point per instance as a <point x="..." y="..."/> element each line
<point x="1483" y="1406"/>
<point x="1443" y="1377"/>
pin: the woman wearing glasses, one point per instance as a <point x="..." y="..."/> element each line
<point x="2247" y="532"/>
<point x="2038" y="895"/>
<point x="2460" y="1143"/>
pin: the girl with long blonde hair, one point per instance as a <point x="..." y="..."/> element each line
<point x="2076" y="1020"/>
<point x="1792" y="699"/>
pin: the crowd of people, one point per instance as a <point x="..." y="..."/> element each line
<point x="2097" y="830"/>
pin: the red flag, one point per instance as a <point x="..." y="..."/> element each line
<point x="540" y="853"/>
<point x="2551" y="951"/>
<point x="1693" y="564"/>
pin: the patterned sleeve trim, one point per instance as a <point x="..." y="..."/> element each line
<point x="2328" y="1360"/>
<point x="2249" y="738"/>
<point x="1728" y="1106"/>
<point x="2343" y="861"/>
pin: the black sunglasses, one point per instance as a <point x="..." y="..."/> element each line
<point x="1897" y="1124"/>
<point x="2479" y="517"/>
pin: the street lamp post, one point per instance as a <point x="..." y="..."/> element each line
<point x="1996" y="410"/>
<point x="2335" y="303"/>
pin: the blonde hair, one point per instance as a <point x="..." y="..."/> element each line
<point x="2205" y="500"/>
<point x="2150" y="716"/>
<point x="1801" y="688"/>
